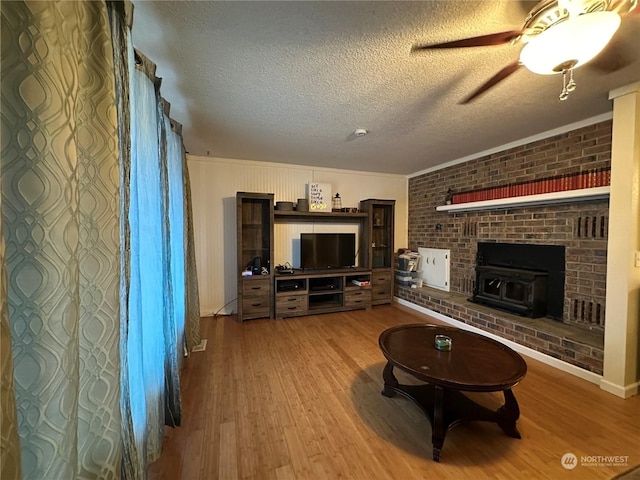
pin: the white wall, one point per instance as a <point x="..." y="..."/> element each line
<point x="214" y="183"/>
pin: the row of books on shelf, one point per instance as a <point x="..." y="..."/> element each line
<point x="561" y="183"/>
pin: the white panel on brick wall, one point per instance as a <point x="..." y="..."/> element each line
<point x="435" y="267"/>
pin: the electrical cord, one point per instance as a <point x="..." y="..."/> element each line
<point x="218" y="311"/>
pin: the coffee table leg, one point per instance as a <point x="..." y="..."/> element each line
<point x="438" y="429"/>
<point x="389" y="381"/>
<point x="508" y="414"/>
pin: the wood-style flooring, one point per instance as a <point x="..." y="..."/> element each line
<point x="300" y="399"/>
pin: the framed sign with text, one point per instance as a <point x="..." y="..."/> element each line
<point x="319" y="195"/>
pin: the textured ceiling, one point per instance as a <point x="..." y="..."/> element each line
<point x="290" y="81"/>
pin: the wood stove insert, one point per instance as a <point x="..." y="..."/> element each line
<point x="525" y="279"/>
<point x="520" y="291"/>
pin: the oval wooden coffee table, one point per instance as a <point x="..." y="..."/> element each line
<point x="474" y="364"/>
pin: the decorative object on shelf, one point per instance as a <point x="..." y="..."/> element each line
<point x="284" y="206"/>
<point x="350" y="209"/>
<point x="336" y="203"/>
<point x="303" y="205"/>
<point x="448" y="199"/>
<point x="443" y="343"/>
<point x="319" y="195"/>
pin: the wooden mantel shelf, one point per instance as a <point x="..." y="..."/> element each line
<point x="566" y="196"/>
<point x="295" y="216"/>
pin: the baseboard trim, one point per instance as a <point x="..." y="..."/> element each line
<point x="529" y="352"/>
<point x="622" y="391"/>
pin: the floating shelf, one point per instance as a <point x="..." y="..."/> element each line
<point x="565" y="196"/>
<point x="295" y="216"/>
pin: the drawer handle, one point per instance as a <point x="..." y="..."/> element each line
<point x="356" y="294"/>
<point x="291" y="308"/>
<point x="256" y="288"/>
<point x="256" y="304"/>
<point x="382" y="278"/>
<point x="291" y="299"/>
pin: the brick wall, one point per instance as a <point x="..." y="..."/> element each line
<point x="581" y="227"/>
<point x="553" y="343"/>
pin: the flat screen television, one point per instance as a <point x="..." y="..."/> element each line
<point x="327" y="250"/>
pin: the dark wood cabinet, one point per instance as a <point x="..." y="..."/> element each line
<point x="263" y="293"/>
<point x="376" y="249"/>
<point x="255" y="255"/>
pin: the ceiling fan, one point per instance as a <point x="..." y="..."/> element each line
<point x="558" y="36"/>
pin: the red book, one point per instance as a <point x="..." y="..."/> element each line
<point x="537" y="187"/>
<point x="545" y="186"/>
<point x="581" y="180"/>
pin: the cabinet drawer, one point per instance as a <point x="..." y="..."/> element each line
<point x="381" y="292"/>
<point x="256" y="305"/>
<point x="291" y="301"/>
<point x="360" y="297"/>
<point x="291" y="305"/>
<point x="256" y="288"/>
<point x="381" y="277"/>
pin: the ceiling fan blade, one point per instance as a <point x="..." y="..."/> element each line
<point x="493" y="81"/>
<point x="481" y="41"/>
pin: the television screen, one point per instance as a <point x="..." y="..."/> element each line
<point x="327" y="250"/>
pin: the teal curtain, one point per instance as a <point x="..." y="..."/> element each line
<point x="148" y="304"/>
<point x="96" y="247"/>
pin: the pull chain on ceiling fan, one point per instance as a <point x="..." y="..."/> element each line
<point x="559" y="36"/>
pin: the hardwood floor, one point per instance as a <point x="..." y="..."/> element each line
<point x="300" y="399"/>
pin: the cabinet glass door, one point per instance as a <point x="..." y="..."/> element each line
<point x="381" y="242"/>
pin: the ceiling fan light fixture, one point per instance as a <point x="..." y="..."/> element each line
<point x="570" y="44"/>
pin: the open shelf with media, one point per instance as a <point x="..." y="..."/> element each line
<point x="313" y="291"/>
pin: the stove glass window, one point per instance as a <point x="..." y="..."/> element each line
<point x="515" y="291"/>
<point x="491" y="286"/>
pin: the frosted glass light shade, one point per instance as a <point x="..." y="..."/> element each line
<point x="573" y="42"/>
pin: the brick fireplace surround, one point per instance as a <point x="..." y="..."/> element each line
<point x="581" y="227"/>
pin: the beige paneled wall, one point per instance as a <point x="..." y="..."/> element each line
<point x="214" y="183"/>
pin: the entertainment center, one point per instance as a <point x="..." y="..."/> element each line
<point x="333" y="283"/>
<point x="311" y="293"/>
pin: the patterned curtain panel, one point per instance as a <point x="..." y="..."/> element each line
<point x="99" y="287"/>
<point x="60" y="185"/>
<point x="9" y="442"/>
<point x="193" y="296"/>
<point x="121" y="16"/>
<point x="192" y="327"/>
